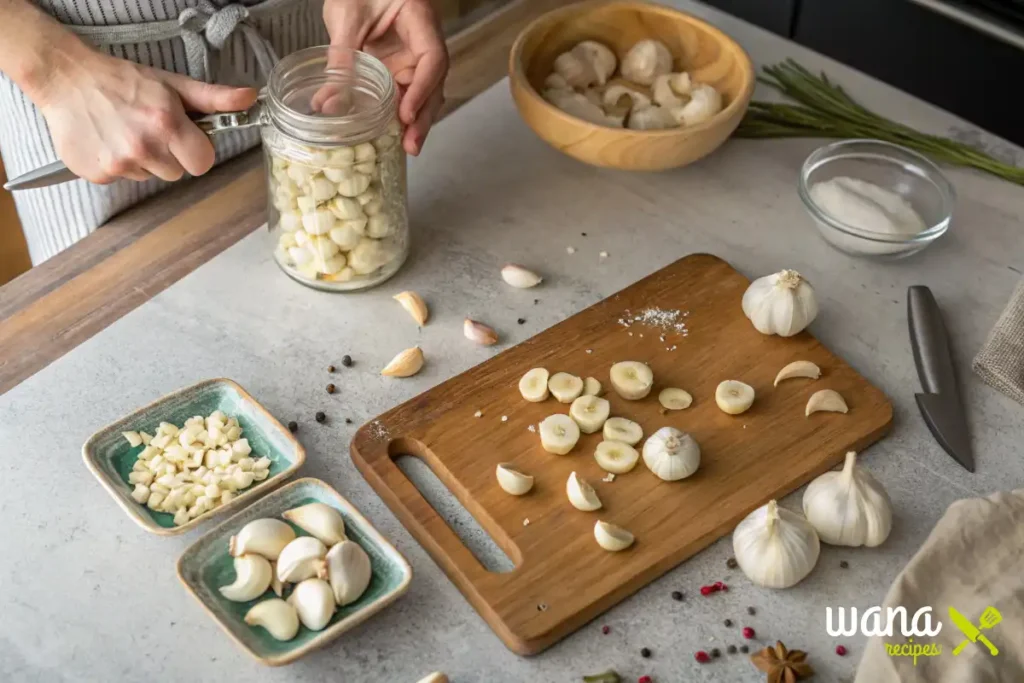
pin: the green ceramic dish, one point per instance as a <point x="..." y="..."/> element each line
<point x="206" y="566"/>
<point x="109" y="456"/>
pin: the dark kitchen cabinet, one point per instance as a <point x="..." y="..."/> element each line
<point x="775" y="15"/>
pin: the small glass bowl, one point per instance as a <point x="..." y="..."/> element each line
<point x="897" y="169"/>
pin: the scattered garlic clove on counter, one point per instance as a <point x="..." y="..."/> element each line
<point x="799" y="368"/>
<point x="253" y="574"/>
<point x="302" y="559"/>
<point x="564" y="387"/>
<point x="558" y="433"/>
<point x="590" y="413"/>
<point x="671" y="454"/>
<point x="612" y="538"/>
<point x="436" y="677"/>
<point x="675" y="399"/>
<point x="512" y="481"/>
<point x="318" y="520"/>
<point x="849" y="507"/>
<point x="405" y="364"/>
<point x="632" y="380"/>
<point x="414" y="304"/>
<point x="581" y="494"/>
<point x="314" y="603"/>
<point x="825" y="400"/>
<point x="478" y="332"/>
<point x="616" y="457"/>
<point x="734" y="397"/>
<point x="280" y="619"/>
<point x="621" y="429"/>
<point x="782" y="303"/>
<point x="349" y="570"/>
<point x="774" y="547"/>
<point x="534" y="385"/>
<point x="520" y="277"/>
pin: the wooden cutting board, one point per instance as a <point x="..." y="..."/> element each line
<point x="562" y="578"/>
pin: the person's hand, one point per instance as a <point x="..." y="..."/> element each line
<point x="405" y="35"/>
<point x="111" y="118"/>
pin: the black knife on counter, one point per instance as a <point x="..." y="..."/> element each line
<point x="940" y="401"/>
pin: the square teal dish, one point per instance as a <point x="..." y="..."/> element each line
<point x="206" y="566"/>
<point x="110" y="457"/>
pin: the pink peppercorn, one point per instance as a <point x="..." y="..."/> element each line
<point x="606" y="630"/>
<point x="748" y="632"/>
<point x="702" y="657"/>
<point x="718" y="586"/>
<point x="644" y="679"/>
<point x="706" y="590"/>
<point x="840" y="650"/>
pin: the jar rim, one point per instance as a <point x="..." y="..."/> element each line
<point x="325" y="130"/>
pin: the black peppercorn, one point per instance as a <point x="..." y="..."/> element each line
<point x="751" y="611"/>
<point x="744" y="649"/>
<point x="645" y="653"/>
<point x="536" y="301"/>
<point x="731" y="649"/>
<point x="715" y="652"/>
<point x="346" y="360"/>
<point x="728" y="622"/>
<point x="677" y="596"/>
<point x="521" y="321"/>
<point x="348" y="420"/>
<point x="584" y="234"/>
<point x="731" y="563"/>
<point x="330" y="368"/>
<point x="320" y="416"/>
<point x="293" y="426"/>
<point x="844" y="564"/>
<point x="330" y="388"/>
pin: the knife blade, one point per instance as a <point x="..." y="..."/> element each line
<point x="940" y="402"/>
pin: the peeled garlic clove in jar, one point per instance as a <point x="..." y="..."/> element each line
<point x="520" y="277"/>
<point x="479" y="333"/>
<point x="252" y="578"/>
<point x="405" y="364"/>
<point x="414" y="304"/>
<point x="632" y="380"/>
<point x="314" y="603"/>
<point x="349" y="570"/>
<point x="734" y="397"/>
<point x="581" y="494"/>
<point x="512" y="481"/>
<point x="275" y="615"/>
<point x="318" y="520"/>
<point x="534" y="385"/>
<point x="825" y="400"/>
<point x="798" y="368"/>
<point x="612" y="538"/>
<point x="302" y="559"/>
<point x="266" y="537"/>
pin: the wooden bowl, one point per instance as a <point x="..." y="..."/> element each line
<point x="706" y="53"/>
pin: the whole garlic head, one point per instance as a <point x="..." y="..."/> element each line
<point x="774" y="547"/>
<point x="601" y="59"/>
<point x="645" y="61"/>
<point x="782" y="303"/>
<point x="849" y="507"/>
<point x="671" y="454"/>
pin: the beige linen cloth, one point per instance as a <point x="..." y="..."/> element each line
<point x="973" y="559"/>
<point x="1000" y="362"/>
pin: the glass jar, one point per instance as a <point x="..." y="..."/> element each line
<point x="335" y="165"/>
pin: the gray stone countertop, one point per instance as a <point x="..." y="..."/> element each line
<point x="87" y="596"/>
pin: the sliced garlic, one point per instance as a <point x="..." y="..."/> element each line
<point x="318" y="520"/>
<point x="632" y="380"/>
<point x="141" y="494"/>
<point x="313" y="601"/>
<point x="405" y="364"/>
<point x="734" y="397"/>
<point x="520" y="277"/>
<point x="621" y="429"/>
<point x="350" y="570"/>
<point x="564" y="387"/>
<point x="133" y="438"/>
<point x="799" y="368"/>
<point x="592" y="387"/>
<point x="581" y="494"/>
<point x="275" y="615"/>
<point x="414" y="304"/>
<point x="512" y="481"/>
<point x="479" y="333"/>
<point x="534" y="385"/>
<point x="675" y="399"/>
<point x="252" y="578"/>
<point x="302" y="559"/>
<point x="590" y="413"/>
<point x="825" y="400"/>
<point x="616" y="457"/>
<point x="612" y="538"/>
<point x="558" y="433"/>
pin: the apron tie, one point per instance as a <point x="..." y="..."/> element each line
<point x="206" y="25"/>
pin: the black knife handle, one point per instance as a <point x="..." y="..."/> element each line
<point x="929" y="341"/>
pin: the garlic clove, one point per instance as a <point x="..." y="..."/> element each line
<point x="512" y="481"/>
<point x="612" y="538"/>
<point x="414" y="304"/>
<point x="774" y="547"/>
<point x="798" y="368"/>
<point x="479" y="333"/>
<point x="616" y="457"/>
<point x="600" y="57"/>
<point x="671" y="454"/>
<point x="436" y="677"/>
<point x="849" y="507"/>
<point x="592" y="387"/>
<point x="520" y="277"/>
<point x="318" y="520"/>
<point x="252" y="578"/>
<point x="405" y="364"/>
<point x="275" y="615"/>
<point x="534" y="385"/>
<point x="581" y="494"/>
<point x="266" y="537"/>
<point x="590" y="413"/>
<point x="825" y="400"/>
<point x="783" y="303"/>
<point x="564" y="387"/>
<point x="133" y="438"/>
<point x="734" y="397"/>
<point x="646" y="60"/>
<point x="621" y="429"/>
<point x="675" y="399"/>
<point x="276" y="584"/>
<point x="349" y="570"/>
<point x="632" y="380"/>
<point x="558" y="433"/>
<point x="313" y="600"/>
<point x="302" y="559"/>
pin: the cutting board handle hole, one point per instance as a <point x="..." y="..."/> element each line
<point x="462" y="523"/>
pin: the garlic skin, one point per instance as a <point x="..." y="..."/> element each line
<point x="302" y="559"/>
<point x="774" y="547"/>
<point x="849" y="507"/>
<point x="349" y="571"/>
<point x="277" y="616"/>
<point x="314" y="603"/>
<point x="782" y="303"/>
<point x="645" y="61"/>
<point x="265" y="537"/>
<point x="252" y="578"/>
<point x="671" y="454"/>
<point x="318" y="520"/>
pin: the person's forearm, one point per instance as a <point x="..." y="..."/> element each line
<point x="35" y="49"/>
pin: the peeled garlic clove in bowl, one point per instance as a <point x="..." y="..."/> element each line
<point x="252" y="578"/>
<point x="266" y="537"/>
<point x="313" y="600"/>
<point x="349" y="571"/>
<point x="275" y="615"/>
<point x="318" y="520"/>
<point x="302" y="559"/>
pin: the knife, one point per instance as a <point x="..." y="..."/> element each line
<point x="972" y="632"/>
<point x="940" y="402"/>
<point x="211" y="124"/>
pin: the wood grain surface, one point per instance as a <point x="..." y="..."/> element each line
<point x="562" y="578"/>
<point x="699" y="48"/>
<point x="56" y="306"/>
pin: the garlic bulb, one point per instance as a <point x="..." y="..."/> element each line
<point x="774" y="547"/>
<point x="671" y="454"/>
<point x="601" y="59"/>
<point x="782" y="303"/>
<point x="849" y="507"/>
<point x="645" y="61"/>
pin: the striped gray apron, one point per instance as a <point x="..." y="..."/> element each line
<point x="218" y="41"/>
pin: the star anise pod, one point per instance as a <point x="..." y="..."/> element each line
<point x="782" y="665"/>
